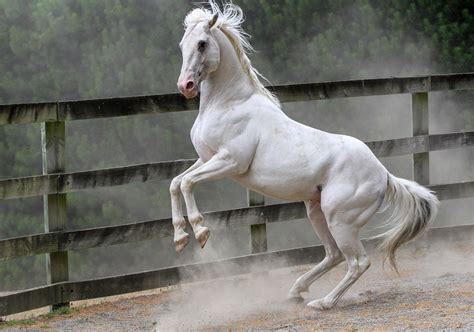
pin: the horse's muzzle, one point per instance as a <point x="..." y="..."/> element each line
<point x="188" y="88"/>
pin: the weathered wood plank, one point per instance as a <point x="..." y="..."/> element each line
<point x="258" y="238"/>
<point x="420" y="144"/>
<point x="258" y="233"/>
<point x="104" y="108"/>
<point x="454" y="190"/>
<point x="451" y="141"/>
<point x="123" y="175"/>
<point x="420" y="121"/>
<point x="353" y="88"/>
<point x="29" y="186"/>
<point x="400" y="146"/>
<point x="53" y="137"/>
<point x="28" y="113"/>
<point x="373" y="87"/>
<point x="89" y="289"/>
<point x="30" y="299"/>
<point x="29" y="245"/>
<point x="111" y="235"/>
<point x="254" y="198"/>
<point x="461" y="81"/>
<point x="127" y="106"/>
<point x="82" y="239"/>
<point x="86" y="180"/>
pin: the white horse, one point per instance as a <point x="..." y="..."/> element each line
<point x="242" y="133"/>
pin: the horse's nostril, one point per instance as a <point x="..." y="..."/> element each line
<point x="190" y="85"/>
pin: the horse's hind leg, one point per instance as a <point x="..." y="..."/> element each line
<point x="344" y="222"/>
<point x="333" y="254"/>
<point x="357" y="260"/>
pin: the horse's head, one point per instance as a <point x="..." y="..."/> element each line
<point x="201" y="56"/>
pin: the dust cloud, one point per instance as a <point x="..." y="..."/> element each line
<point x="229" y="303"/>
<point x="218" y="301"/>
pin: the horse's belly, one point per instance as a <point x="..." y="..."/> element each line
<point x="281" y="184"/>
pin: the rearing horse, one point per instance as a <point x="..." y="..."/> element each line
<point x="242" y="133"/>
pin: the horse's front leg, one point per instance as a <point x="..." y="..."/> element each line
<point x="219" y="166"/>
<point x="181" y="238"/>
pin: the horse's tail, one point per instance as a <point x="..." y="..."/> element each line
<point x="415" y="209"/>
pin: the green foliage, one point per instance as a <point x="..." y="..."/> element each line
<point x="79" y="49"/>
<point x="16" y="323"/>
<point x="87" y="49"/>
<point x="21" y="323"/>
<point x="65" y="310"/>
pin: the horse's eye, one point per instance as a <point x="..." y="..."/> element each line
<point x="202" y="45"/>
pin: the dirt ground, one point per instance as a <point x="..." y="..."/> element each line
<point x="434" y="291"/>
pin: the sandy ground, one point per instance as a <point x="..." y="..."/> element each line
<point x="434" y="291"/>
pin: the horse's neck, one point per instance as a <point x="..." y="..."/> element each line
<point x="228" y="83"/>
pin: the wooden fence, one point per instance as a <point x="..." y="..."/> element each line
<point x="55" y="183"/>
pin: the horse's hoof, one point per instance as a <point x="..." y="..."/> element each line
<point x="294" y="295"/>
<point x="182" y="242"/>
<point x="320" y="304"/>
<point x="202" y="235"/>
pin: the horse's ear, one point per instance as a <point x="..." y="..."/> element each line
<point x="213" y="21"/>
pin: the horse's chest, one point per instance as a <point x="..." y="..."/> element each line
<point x="206" y="138"/>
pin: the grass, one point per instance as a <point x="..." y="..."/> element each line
<point x="16" y="323"/>
<point x="58" y="312"/>
<point x="30" y="321"/>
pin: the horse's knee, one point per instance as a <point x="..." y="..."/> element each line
<point x="364" y="264"/>
<point x="186" y="184"/>
<point x="175" y="186"/>
<point x="359" y="265"/>
<point x="334" y="256"/>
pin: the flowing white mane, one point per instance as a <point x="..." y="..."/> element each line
<point x="230" y="21"/>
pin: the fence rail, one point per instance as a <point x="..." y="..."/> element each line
<point x="115" y="107"/>
<point x="55" y="183"/>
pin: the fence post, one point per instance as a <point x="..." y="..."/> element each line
<point x="420" y="117"/>
<point x="55" y="207"/>
<point x="258" y="233"/>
